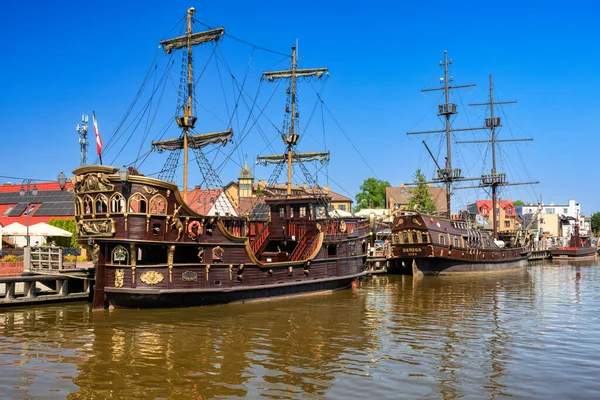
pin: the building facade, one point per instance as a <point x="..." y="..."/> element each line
<point x="507" y="219"/>
<point x="396" y="197"/>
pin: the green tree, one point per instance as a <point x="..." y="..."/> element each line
<point x="372" y="194"/>
<point x="518" y="203"/>
<point x="69" y="225"/>
<point x="596" y="222"/>
<point x="420" y="195"/>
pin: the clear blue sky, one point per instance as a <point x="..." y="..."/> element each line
<point x="62" y="59"/>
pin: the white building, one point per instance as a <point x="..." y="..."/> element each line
<point x="563" y="216"/>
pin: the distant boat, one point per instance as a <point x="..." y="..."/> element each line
<point x="439" y="245"/>
<point x="575" y="251"/>
<point x="152" y="250"/>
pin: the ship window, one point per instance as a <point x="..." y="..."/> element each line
<point x="331" y="250"/>
<point x="424" y="238"/>
<point x="117" y="203"/>
<point x="120" y="255"/>
<point x="415" y="237"/>
<point x="404" y="237"/>
<point x="442" y="239"/>
<point x="87" y="204"/>
<point x="158" y="205"/>
<point x="155" y="229"/>
<point x="217" y="283"/>
<point x="137" y="204"/>
<point x="282" y="212"/>
<point x="101" y="204"/>
<point x="455" y="242"/>
<point x="302" y="211"/>
<point x="292" y="212"/>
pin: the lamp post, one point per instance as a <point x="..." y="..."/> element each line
<point x="124" y="178"/>
<point x="62" y="180"/>
<point x="27" y="193"/>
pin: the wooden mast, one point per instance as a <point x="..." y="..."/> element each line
<point x="292" y="123"/>
<point x="494" y="179"/>
<point x="447" y="175"/>
<point x="187" y="109"/>
<point x="188" y="121"/>
<point x="292" y="137"/>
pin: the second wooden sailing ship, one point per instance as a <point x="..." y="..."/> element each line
<point x="152" y="250"/>
<point x="440" y="245"/>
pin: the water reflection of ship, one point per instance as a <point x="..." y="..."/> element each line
<point x="284" y="347"/>
<point x="441" y="320"/>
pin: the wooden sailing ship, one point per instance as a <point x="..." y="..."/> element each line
<point x="441" y="245"/>
<point x="152" y="250"/>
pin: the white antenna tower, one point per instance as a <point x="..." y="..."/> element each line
<point x="83" y="142"/>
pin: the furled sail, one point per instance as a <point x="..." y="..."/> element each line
<point x="318" y="72"/>
<point x="195" y="38"/>
<point x="195" y="142"/>
<point x="296" y="157"/>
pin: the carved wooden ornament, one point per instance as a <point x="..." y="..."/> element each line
<point x="152" y="277"/>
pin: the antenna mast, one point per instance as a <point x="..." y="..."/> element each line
<point x="82" y="129"/>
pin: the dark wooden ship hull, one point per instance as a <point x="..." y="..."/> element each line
<point x="431" y="245"/>
<point x="151" y="250"/>
<point x="157" y="298"/>
<point x="579" y="253"/>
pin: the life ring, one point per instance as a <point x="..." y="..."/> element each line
<point x="194" y="234"/>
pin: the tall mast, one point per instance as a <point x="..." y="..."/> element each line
<point x="187" y="108"/>
<point x="292" y="137"/>
<point x="447" y="175"/>
<point x="494" y="179"/>
<point x="291" y="144"/>
<point x="188" y="121"/>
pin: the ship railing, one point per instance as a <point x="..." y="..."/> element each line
<point x="299" y="250"/>
<point x="295" y="231"/>
<point x="260" y="239"/>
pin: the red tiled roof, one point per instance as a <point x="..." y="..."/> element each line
<point x="33" y="219"/>
<point x="41" y="186"/>
<point x="199" y="200"/>
<point x="504" y="204"/>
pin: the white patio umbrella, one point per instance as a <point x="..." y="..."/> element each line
<point x="340" y="213"/>
<point x="43" y="229"/>
<point x="15" y="229"/>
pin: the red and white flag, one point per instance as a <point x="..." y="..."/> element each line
<point x="97" y="132"/>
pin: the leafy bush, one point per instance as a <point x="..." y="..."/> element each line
<point x="11" y="258"/>
<point x="68" y="224"/>
<point x="74" y="258"/>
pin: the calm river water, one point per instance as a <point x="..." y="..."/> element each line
<point x="532" y="334"/>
